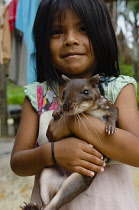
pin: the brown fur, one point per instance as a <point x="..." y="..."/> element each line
<point x="83" y="96"/>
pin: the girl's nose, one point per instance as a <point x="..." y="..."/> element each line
<point x="71" y="39"/>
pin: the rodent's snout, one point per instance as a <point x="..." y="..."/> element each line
<point x="68" y="106"/>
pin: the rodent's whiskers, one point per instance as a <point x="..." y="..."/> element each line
<point x="94" y="127"/>
<point x="77" y="121"/>
<point x="90" y="122"/>
<point x="87" y="130"/>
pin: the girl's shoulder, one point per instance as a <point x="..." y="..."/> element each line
<point x="30" y="91"/>
<point x="41" y="96"/>
<point x="113" y="86"/>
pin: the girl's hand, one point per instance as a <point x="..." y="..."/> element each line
<point x="72" y="153"/>
<point x="58" y="129"/>
<point x="78" y="156"/>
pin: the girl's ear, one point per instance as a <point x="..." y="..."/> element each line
<point x="95" y="80"/>
<point x="65" y="78"/>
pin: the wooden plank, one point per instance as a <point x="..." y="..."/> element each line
<point x="3" y="102"/>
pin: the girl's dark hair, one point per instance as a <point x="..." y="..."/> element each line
<point x="95" y="16"/>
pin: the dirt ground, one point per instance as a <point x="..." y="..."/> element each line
<point x="15" y="190"/>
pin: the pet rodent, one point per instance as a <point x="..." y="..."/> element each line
<point x="83" y="96"/>
<point x="79" y="96"/>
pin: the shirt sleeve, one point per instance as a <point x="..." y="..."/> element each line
<point x="113" y="88"/>
<point x="31" y="92"/>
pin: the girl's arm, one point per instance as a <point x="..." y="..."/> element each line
<point x="27" y="160"/>
<point x="123" y="145"/>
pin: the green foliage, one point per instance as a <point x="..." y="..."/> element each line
<point x="134" y="7"/>
<point x="15" y="94"/>
<point x="126" y="69"/>
<point x="138" y="94"/>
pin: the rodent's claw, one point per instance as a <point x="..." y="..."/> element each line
<point x="110" y="129"/>
<point x="31" y="206"/>
<point x="57" y="114"/>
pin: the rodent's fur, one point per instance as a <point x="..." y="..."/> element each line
<point x="83" y="96"/>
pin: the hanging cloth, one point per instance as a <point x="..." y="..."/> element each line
<point x="17" y="66"/>
<point x="5" y="35"/>
<point x="12" y="13"/>
<point x="26" y="12"/>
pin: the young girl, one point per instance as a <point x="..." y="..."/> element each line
<point x="76" y="38"/>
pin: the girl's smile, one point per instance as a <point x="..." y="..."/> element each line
<point x="70" y="48"/>
<point x="72" y="55"/>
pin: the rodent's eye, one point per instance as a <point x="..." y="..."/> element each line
<point x="85" y="92"/>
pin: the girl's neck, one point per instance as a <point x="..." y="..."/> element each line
<point x="82" y="76"/>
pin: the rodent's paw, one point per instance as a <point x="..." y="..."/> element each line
<point x="31" y="206"/>
<point x="57" y="114"/>
<point x="110" y="129"/>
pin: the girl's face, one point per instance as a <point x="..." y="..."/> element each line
<point x="71" y="51"/>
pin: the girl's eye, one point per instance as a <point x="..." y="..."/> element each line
<point x="83" y="29"/>
<point x="85" y="92"/>
<point x="56" y="32"/>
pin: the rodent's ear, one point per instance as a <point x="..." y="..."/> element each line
<point x="65" y="78"/>
<point x="95" y="79"/>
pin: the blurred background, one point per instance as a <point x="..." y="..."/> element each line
<point x="17" y="70"/>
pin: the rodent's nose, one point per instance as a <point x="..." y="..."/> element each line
<point x="67" y="106"/>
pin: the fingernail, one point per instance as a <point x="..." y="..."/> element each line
<point x="102" y="158"/>
<point x="90" y="145"/>
<point x="92" y="173"/>
<point x="104" y="164"/>
<point x="102" y="169"/>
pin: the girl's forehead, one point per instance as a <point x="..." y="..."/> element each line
<point x="65" y="14"/>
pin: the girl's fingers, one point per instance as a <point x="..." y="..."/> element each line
<point x="91" y="166"/>
<point x="91" y="159"/>
<point x="90" y="149"/>
<point x="84" y="171"/>
<point x="93" y="151"/>
<point x="79" y="157"/>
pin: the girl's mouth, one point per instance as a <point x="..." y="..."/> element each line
<point x="72" y="55"/>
